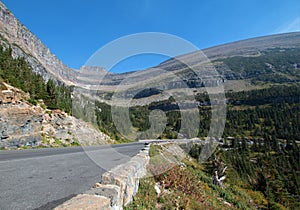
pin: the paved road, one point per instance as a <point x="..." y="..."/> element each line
<point x="43" y="178"/>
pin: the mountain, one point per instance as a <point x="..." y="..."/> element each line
<point x="32" y="105"/>
<point x="243" y="65"/>
<point x="259" y="143"/>
<point x="25" y="44"/>
<point x="254" y="49"/>
<point x="189" y="70"/>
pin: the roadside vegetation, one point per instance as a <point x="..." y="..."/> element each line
<point x="48" y="141"/>
<point x="256" y="178"/>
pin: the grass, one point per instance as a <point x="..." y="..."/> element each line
<point x="75" y="143"/>
<point x="58" y="142"/>
<point x="46" y="143"/>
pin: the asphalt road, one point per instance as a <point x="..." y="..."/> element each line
<point x="44" y="178"/>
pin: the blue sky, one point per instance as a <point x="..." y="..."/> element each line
<point x="75" y="29"/>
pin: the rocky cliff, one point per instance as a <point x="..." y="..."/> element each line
<point x="25" y="44"/>
<point x="20" y="123"/>
<point x="60" y="129"/>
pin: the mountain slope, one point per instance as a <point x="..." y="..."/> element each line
<point x="248" y="63"/>
<point x="250" y="47"/>
<point x="25" y="44"/>
<point x="243" y="65"/>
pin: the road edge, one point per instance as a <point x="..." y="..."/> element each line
<point x="117" y="186"/>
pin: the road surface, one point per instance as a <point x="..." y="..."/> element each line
<point x="44" y="178"/>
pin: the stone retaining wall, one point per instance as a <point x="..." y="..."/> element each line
<point x="117" y="187"/>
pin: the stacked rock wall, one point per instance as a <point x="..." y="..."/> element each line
<point x="117" y="187"/>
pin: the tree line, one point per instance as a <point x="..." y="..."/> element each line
<point x="18" y="73"/>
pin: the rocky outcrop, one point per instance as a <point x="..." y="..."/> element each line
<point x="64" y="129"/>
<point x="40" y="127"/>
<point x="23" y="124"/>
<point x="11" y="95"/>
<point x="20" y="123"/>
<point x="25" y="44"/>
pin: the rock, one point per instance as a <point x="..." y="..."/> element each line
<point x="109" y="191"/>
<point x="86" y="202"/>
<point x="228" y="204"/>
<point x="157" y="189"/>
<point x="126" y="176"/>
<point x="20" y="123"/>
<point x="59" y="125"/>
<point x="97" y="185"/>
<point x="11" y="95"/>
<point x="113" y="179"/>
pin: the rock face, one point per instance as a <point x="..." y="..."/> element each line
<point x="22" y="124"/>
<point x="25" y="44"/>
<point x="58" y="126"/>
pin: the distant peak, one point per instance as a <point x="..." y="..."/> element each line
<point x="93" y="70"/>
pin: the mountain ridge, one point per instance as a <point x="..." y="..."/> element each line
<point x="25" y="44"/>
<point x="172" y="73"/>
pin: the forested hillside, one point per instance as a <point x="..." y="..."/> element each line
<point x="265" y="166"/>
<point x="271" y="66"/>
<point x="18" y="73"/>
<point x="258" y="114"/>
